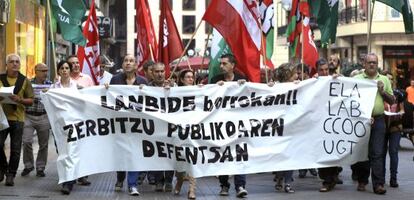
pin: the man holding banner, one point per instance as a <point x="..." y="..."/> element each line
<point x="377" y="139"/>
<point x="227" y="64"/>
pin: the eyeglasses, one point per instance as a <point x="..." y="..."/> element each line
<point x="14" y="61"/>
<point x="372" y="62"/>
<point x="43" y="70"/>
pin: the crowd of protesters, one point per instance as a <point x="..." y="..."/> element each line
<point x="27" y="116"/>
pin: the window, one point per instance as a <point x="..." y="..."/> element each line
<point x="188" y="23"/>
<point x="395" y="13"/>
<point x="192" y="44"/>
<point x="189" y="5"/>
<point x="170" y="3"/>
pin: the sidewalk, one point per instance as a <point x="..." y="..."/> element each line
<point x="260" y="186"/>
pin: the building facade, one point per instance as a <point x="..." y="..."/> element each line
<point x="24" y="33"/>
<point x="394" y="48"/>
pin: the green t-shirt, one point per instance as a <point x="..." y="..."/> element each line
<point x="379" y="102"/>
<point x="16" y="113"/>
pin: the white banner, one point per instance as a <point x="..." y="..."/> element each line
<point x="211" y="130"/>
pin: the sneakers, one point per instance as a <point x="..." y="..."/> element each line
<point x="26" y="171"/>
<point x="40" y="173"/>
<point x="380" y="190"/>
<point x="327" y="187"/>
<point x="118" y="186"/>
<point x="9" y="181"/>
<point x="279" y="184"/>
<point x="288" y="189"/>
<point x="241" y="192"/>
<point x="224" y="191"/>
<point x="83" y="181"/>
<point x="133" y="191"/>
<point x="361" y="187"/>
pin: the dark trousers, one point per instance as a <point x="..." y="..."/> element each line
<point x="376" y="153"/>
<point x="239" y="180"/>
<point x="328" y="175"/>
<point x="392" y="141"/>
<point x="16" y="131"/>
<point x="163" y="177"/>
<point x="408" y="115"/>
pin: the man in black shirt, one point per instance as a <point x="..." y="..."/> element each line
<point x="227" y="64"/>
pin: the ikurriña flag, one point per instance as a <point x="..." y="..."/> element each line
<point x="146" y="42"/>
<point x="170" y="45"/>
<point x="237" y="21"/>
<point x="266" y="8"/>
<point x="89" y="55"/>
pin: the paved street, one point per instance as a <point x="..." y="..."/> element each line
<point x="260" y="186"/>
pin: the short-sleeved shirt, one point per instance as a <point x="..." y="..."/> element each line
<point x="83" y="80"/>
<point x="37" y="107"/>
<point x="16" y="112"/>
<point x="379" y="101"/>
<point x="410" y="94"/>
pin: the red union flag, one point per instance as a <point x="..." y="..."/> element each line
<point x="89" y="55"/>
<point x="310" y="52"/>
<point x="237" y="22"/>
<point x="146" y="42"/>
<point x="170" y="42"/>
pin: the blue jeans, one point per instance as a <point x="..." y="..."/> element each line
<point x="239" y="180"/>
<point x="132" y="179"/>
<point x="376" y="154"/>
<point x="392" y="141"/>
<point x="286" y="175"/>
<point x="16" y="132"/>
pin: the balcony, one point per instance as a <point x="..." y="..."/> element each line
<point x="351" y="15"/>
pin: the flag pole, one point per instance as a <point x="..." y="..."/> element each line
<point x="52" y="38"/>
<point x="370" y="15"/>
<point x="185" y="49"/>
<point x="263" y="50"/>
<point x="151" y="53"/>
<point x="301" y="46"/>
<point x="205" y="48"/>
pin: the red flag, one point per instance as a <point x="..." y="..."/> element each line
<point x="146" y="42"/>
<point x="237" y="22"/>
<point x="310" y="52"/>
<point x="169" y="39"/>
<point x="89" y="55"/>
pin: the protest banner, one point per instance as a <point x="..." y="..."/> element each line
<point x="211" y="130"/>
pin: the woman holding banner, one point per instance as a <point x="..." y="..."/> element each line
<point x="286" y="72"/>
<point x="185" y="78"/>
<point x="64" y="69"/>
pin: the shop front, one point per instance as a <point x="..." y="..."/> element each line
<point x="399" y="60"/>
<point x="26" y="34"/>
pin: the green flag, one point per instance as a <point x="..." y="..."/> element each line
<point x="404" y="7"/>
<point x="219" y="47"/>
<point x="326" y="13"/>
<point x="68" y="14"/>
